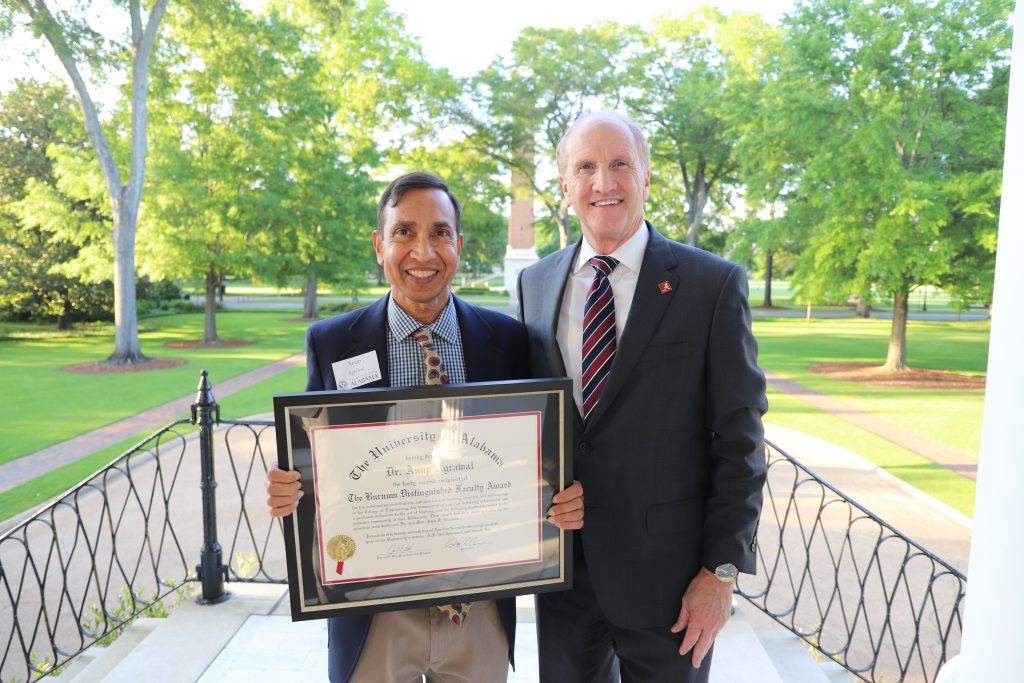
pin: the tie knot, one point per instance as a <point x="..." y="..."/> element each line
<point x="424" y="337"/>
<point x="604" y="264"/>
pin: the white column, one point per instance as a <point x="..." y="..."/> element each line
<point x="992" y="639"/>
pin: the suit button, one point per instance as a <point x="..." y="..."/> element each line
<point x="585" y="447"/>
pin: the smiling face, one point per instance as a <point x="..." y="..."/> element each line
<point x="606" y="180"/>
<point x="419" y="249"/>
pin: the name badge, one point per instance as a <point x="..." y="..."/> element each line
<point x="350" y="373"/>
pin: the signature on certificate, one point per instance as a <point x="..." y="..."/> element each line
<point x="465" y="543"/>
<point x="401" y="550"/>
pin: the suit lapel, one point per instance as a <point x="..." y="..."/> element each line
<point x="551" y="306"/>
<point x="369" y="333"/>
<point x="645" y="314"/>
<point x="478" y="353"/>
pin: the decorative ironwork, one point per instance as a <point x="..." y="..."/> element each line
<point x="113" y="547"/>
<point x="848" y="583"/>
<point x="82" y="567"/>
<point x="128" y="537"/>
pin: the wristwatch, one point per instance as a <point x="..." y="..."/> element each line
<point x="726" y="573"/>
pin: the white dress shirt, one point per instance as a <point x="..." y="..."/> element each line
<point x="630" y="256"/>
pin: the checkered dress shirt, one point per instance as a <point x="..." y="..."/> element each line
<point x="405" y="358"/>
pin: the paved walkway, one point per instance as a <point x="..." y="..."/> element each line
<point x="27" y="467"/>
<point x="951" y="458"/>
<point x="30" y="466"/>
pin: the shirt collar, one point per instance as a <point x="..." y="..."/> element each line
<point x="629" y="254"/>
<point x="402" y="324"/>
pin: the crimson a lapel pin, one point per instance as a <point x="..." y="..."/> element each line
<point x="664" y="287"/>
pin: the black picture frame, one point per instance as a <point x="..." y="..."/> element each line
<point x="298" y="415"/>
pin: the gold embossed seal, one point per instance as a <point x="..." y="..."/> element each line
<point x="341" y="548"/>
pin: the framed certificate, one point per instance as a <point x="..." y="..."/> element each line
<point x="425" y="495"/>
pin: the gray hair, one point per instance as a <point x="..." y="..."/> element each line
<point x="638" y="137"/>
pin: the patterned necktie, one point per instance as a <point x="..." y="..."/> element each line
<point x="433" y="368"/>
<point x="434" y="373"/>
<point x="598" y="332"/>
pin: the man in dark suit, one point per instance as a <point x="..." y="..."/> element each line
<point x="418" y="241"/>
<point x="668" y="437"/>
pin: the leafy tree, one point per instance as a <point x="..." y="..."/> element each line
<point x="223" y="146"/>
<point x="355" y="75"/>
<point x="35" y="280"/>
<point x="681" y="90"/>
<point x="77" y="44"/>
<point x="521" y="106"/>
<point x="772" y="145"/>
<point x="904" y="185"/>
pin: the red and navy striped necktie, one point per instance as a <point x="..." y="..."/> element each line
<point x="598" y="332"/>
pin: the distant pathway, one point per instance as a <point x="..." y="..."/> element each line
<point x="30" y="466"/>
<point x="288" y="302"/>
<point x="958" y="461"/>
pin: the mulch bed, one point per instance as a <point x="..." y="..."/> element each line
<point x="222" y="344"/>
<point x="99" y="368"/>
<point x="911" y="378"/>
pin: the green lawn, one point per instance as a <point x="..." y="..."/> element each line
<point x="789" y="346"/>
<point x="42" y="404"/>
<point x="252" y="400"/>
<point x="951" y="488"/>
<point x="930" y="299"/>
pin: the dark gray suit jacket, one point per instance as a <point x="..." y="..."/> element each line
<point x="672" y="458"/>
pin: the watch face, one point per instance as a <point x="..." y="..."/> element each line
<point x="726" y="572"/>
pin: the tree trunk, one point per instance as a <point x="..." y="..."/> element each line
<point x="560" y="212"/>
<point x="380" y="275"/>
<point x="564" y="225"/>
<point x="863" y="307"/>
<point x="697" y="198"/>
<point x="310" y="309"/>
<point x="124" y="199"/>
<point x="896" y="361"/>
<point x="563" y="232"/>
<point x="64" y="321"/>
<point x="768" y="255"/>
<point x="127" y="350"/>
<point x="213" y="280"/>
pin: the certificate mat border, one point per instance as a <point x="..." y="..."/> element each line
<point x="540" y="520"/>
<point x="283" y="405"/>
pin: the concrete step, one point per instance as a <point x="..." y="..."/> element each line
<point x="792" y="657"/>
<point x="741" y="658"/>
<point x="251" y="638"/>
<point x="181" y="647"/>
<point x="95" y="663"/>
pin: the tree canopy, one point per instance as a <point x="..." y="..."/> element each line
<point x="858" y="144"/>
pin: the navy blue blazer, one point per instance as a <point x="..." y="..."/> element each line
<point x="493" y="348"/>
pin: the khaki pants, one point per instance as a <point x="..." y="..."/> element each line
<point x="403" y="646"/>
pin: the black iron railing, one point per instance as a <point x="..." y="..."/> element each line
<point x="131" y="536"/>
<point x="848" y="583"/>
<point x="150" y="523"/>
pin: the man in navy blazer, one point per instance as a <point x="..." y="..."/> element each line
<point x="418" y="241"/>
<point x="668" y="438"/>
